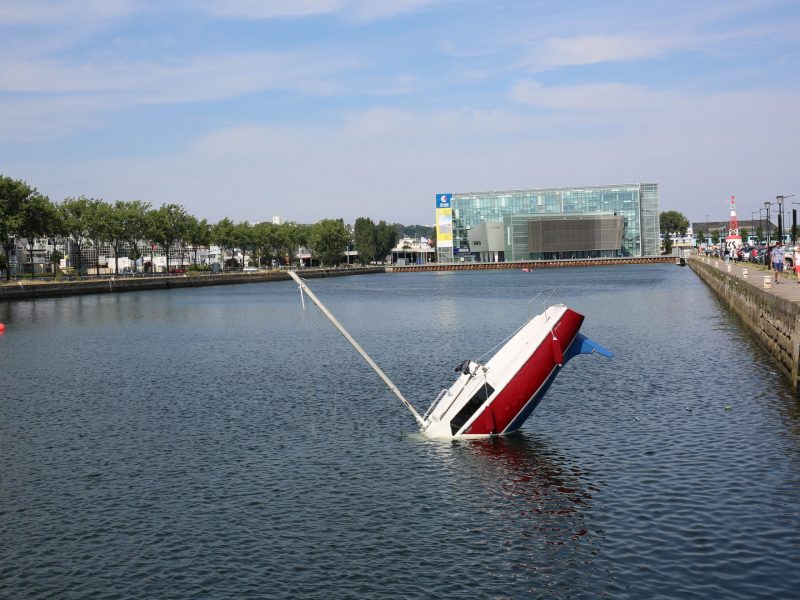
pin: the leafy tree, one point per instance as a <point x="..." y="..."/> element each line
<point x="715" y="237"/>
<point x="759" y="234"/>
<point x="116" y="233"/>
<point x="14" y="194"/>
<point x="133" y="225"/>
<point x="245" y="240"/>
<point x="386" y="238"/>
<point x="199" y="236"/>
<point x="328" y="240"/>
<point x="98" y="226"/>
<point x="223" y="234"/>
<point x="288" y="238"/>
<point x="672" y="223"/>
<point x="168" y="225"/>
<point x="38" y="216"/>
<point x="74" y="214"/>
<point x="700" y="238"/>
<point x="365" y="239"/>
<point x="745" y="235"/>
<point x="55" y="258"/>
<point x="264" y="240"/>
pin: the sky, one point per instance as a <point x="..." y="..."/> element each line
<point x="312" y="109"/>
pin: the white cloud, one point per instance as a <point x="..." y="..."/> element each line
<point x="605" y="97"/>
<point x="47" y="12"/>
<point x="388" y="163"/>
<point x="357" y="10"/>
<point x="260" y="9"/>
<point x="591" y="49"/>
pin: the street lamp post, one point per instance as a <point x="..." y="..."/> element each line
<point x="794" y="224"/>
<point x="766" y="205"/>
<point x="780" y="200"/>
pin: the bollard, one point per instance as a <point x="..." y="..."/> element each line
<point x="744" y="273"/>
<point x="767" y="281"/>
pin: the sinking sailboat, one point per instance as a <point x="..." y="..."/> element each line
<point x="496" y="397"/>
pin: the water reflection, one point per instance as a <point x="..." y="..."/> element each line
<point x="526" y="470"/>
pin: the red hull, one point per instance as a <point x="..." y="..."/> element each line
<point x="516" y="398"/>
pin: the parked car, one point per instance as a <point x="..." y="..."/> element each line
<point x="759" y="256"/>
<point x="177" y="270"/>
<point x="250" y="270"/>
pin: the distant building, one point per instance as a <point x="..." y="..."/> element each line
<point x="413" y="251"/>
<point x="550" y="223"/>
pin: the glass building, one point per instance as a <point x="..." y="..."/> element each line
<point x="549" y="224"/>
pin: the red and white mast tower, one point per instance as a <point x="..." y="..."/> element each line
<point x="733" y="239"/>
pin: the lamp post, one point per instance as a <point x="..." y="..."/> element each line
<point x="766" y="205"/>
<point x="780" y="200"/>
<point x="708" y="235"/>
<point x="794" y="224"/>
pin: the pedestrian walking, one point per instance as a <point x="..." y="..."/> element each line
<point x="777" y="260"/>
<point x="797" y="262"/>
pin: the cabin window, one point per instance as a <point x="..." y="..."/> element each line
<point x="470" y="407"/>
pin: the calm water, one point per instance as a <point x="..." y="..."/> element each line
<point x="221" y="443"/>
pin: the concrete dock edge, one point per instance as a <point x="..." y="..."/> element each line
<point x="772" y="314"/>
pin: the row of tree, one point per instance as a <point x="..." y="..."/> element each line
<point x="129" y="227"/>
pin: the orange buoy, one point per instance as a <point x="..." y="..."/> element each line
<point x="2" y="327"/>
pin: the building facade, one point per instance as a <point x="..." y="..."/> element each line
<point x="549" y="223"/>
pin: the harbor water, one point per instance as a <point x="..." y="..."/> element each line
<point x="221" y="442"/>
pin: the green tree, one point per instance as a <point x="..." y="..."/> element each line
<point x="672" y="223"/>
<point x="328" y="240"/>
<point x="264" y="241"/>
<point x="759" y="234"/>
<point x="745" y="235"/>
<point x="167" y="226"/>
<point x="288" y="238"/>
<point x="223" y="234"/>
<point x="116" y="231"/>
<point x="133" y="217"/>
<point x="245" y="239"/>
<point x="715" y="237"/>
<point x="199" y="236"/>
<point x="55" y="258"/>
<point x="38" y="219"/>
<point x="700" y="238"/>
<point x="386" y="238"/>
<point x="98" y="226"/>
<point x="73" y="213"/>
<point x="14" y="194"/>
<point x="364" y="233"/>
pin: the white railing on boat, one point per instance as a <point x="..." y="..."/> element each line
<point x="435" y="403"/>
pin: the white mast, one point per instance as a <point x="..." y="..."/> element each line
<point x="359" y="349"/>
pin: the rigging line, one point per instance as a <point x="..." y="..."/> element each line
<point x="493" y="348"/>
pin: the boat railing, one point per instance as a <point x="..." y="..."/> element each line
<point x="435" y="403"/>
<point x="545" y="296"/>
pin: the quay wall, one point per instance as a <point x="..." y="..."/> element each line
<point x="49" y="289"/>
<point x="774" y="320"/>
<point x="531" y="264"/>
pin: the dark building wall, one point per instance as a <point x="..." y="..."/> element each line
<point x="602" y="232"/>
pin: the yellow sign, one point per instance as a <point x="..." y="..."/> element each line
<point x="444" y="227"/>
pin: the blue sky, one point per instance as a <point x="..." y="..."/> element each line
<point x="346" y="108"/>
